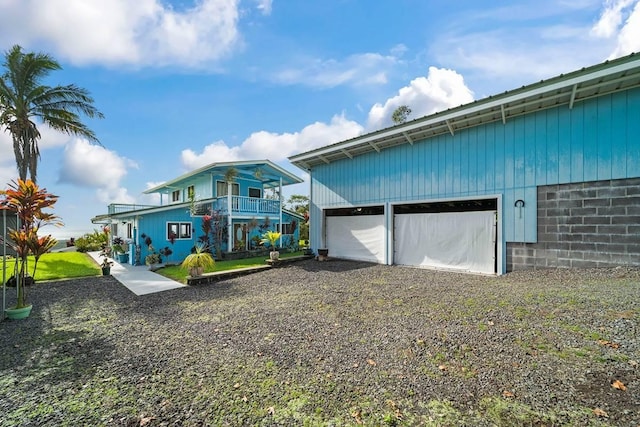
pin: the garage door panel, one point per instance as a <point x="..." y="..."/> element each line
<point x="454" y="240"/>
<point x="358" y="237"/>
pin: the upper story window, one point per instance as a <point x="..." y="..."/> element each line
<point x="255" y="192"/>
<point x="221" y="189"/>
<point x="175" y="196"/>
<point x="191" y="192"/>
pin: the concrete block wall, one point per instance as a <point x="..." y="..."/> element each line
<point x="590" y="224"/>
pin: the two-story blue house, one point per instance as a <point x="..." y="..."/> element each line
<point x="222" y="204"/>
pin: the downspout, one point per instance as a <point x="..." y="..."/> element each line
<point x="280" y="200"/>
<point x="230" y="222"/>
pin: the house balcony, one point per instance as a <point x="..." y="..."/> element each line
<point x="242" y="205"/>
<point x="116" y="208"/>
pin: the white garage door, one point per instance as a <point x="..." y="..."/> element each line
<point x="359" y="237"/>
<point x="453" y="240"/>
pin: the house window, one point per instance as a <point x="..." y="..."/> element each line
<point x="221" y="189"/>
<point x="191" y="192"/>
<point x="201" y="209"/>
<point x="289" y="228"/>
<point x="179" y="230"/>
<point x="129" y="230"/>
<point x="175" y="196"/>
<point x="255" y="193"/>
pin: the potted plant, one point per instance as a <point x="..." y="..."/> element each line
<point x="198" y="260"/>
<point x="28" y="202"/>
<point x="323" y="254"/>
<point x="272" y="238"/>
<point x="106" y="265"/>
<point x="153" y="259"/>
<point x="119" y="248"/>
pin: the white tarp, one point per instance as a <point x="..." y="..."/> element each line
<point x="455" y="240"/>
<point x="359" y="237"/>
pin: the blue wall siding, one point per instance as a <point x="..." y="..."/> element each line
<point x="243" y="183"/>
<point x="597" y="140"/>
<point x="154" y="225"/>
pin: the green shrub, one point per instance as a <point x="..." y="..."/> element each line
<point x="92" y="241"/>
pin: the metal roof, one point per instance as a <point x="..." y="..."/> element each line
<point x="265" y="171"/>
<point x="568" y="89"/>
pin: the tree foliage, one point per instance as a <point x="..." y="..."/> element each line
<point x="299" y="204"/>
<point x="401" y="114"/>
<point x="25" y="100"/>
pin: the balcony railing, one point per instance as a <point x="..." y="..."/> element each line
<point x="116" y="208"/>
<point x="240" y="205"/>
<point x="247" y="205"/>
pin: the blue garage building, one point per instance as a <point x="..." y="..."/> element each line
<point x="547" y="175"/>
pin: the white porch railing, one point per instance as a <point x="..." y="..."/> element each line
<point x="247" y="205"/>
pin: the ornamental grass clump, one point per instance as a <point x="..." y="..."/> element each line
<point x="198" y="260"/>
<point x="272" y="238"/>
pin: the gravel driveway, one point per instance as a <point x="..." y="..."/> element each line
<point x="332" y="343"/>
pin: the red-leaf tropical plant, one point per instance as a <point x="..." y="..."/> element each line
<point x="28" y="202"/>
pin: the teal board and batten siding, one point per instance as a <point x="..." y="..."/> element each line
<point x="154" y="225"/>
<point x="598" y="139"/>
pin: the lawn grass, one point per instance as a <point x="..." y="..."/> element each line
<point x="68" y="265"/>
<point x="179" y="274"/>
<point x="58" y="265"/>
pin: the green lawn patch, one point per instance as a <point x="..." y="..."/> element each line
<point x="59" y="265"/>
<point x="179" y="274"/>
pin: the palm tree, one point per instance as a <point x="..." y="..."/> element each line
<point x="24" y="99"/>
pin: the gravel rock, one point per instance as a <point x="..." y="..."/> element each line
<point x="330" y="343"/>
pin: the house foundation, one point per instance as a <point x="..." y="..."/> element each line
<point x="588" y="224"/>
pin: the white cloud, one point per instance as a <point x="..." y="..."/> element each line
<point x="521" y="43"/>
<point x="273" y="146"/>
<point x="8" y="173"/>
<point x="629" y="37"/>
<point x="7" y="159"/>
<point x="265" y="6"/>
<point x="122" y="32"/>
<point x="51" y="138"/>
<point x="439" y="90"/>
<point x="611" y="18"/>
<point x="93" y="166"/>
<point x="360" y="69"/>
<point x="498" y="55"/>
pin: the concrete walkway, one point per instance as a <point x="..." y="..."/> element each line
<point x="138" y="279"/>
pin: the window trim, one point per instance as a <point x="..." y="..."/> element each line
<point x="254" y="188"/>
<point x="175" y="196"/>
<point x="178" y="226"/>
<point x="283" y="226"/>
<point x="233" y="185"/>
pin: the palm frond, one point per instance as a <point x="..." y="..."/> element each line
<point x="23" y="98"/>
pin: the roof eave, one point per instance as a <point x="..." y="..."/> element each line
<point x="487" y="106"/>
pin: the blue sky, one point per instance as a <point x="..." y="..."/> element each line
<point x="184" y="83"/>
